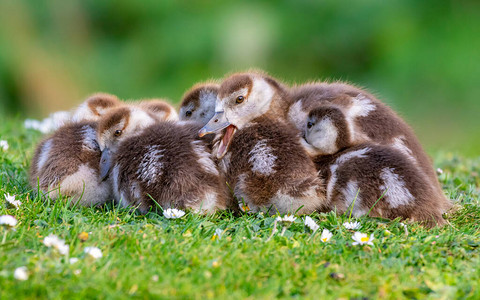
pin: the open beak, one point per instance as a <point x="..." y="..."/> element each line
<point x="105" y="163"/>
<point x="216" y="123"/>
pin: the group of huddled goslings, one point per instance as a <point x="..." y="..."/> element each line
<point x="248" y="143"/>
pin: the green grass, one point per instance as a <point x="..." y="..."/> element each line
<point x="153" y="257"/>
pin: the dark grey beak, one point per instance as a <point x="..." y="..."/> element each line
<point x="216" y="123"/>
<point x="105" y="163"/>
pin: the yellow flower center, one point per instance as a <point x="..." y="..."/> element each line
<point x="364" y="239"/>
<point x="324" y="239"/>
<point x="245" y="208"/>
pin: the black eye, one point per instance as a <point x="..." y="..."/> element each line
<point x="188" y="113"/>
<point x="239" y="99"/>
<point x="310" y="124"/>
<point x="117" y="133"/>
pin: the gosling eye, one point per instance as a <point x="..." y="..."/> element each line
<point x="118" y="133"/>
<point x="310" y="125"/>
<point x="188" y="113"/>
<point x="239" y="99"/>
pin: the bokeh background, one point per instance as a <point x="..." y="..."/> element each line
<point x="420" y="57"/>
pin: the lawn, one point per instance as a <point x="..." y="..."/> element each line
<point x="154" y="257"/>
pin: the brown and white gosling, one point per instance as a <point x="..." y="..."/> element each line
<point x="265" y="165"/>
<point x="67" y="162"/>
<point x="162" y="163"/>
<point x="361" y="174"/>
<point x="367" y="120"/>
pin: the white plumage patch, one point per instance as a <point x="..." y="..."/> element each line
<point x="262" y="158"/>
<point x="151" y="166"/>
<point x="352" y="193"/>
<point x="297" y="115"/>
<point x="203" y="158"/>
<point x="341" y="160"/>
<point x="44" y="154"/>
<point x="361" y="107"/>
<point x="397" y="193"/>
<point x="399" y="144"/>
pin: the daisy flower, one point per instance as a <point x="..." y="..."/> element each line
<point x="310" y="223"/>
<point x="21" y="273"/>
<point x="326" y="235"/>
<point x="218" y="234"/>
<point x="404" y="227"/>
<point x="11" y="200"/>
<point x="4" y="145"/>
<point x="286" y="219"/>
<point x="93" y="252"/>
<point x="73" y="260"/>
<point x="172" y="213"/>
<point x="362" y="239"/>
<point x="352" y="225"/>
<point x="58" y="244"/>
<point x="8" y="221"/>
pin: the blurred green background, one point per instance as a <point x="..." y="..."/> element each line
<point x="420" y="57"/>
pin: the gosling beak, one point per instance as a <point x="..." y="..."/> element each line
<point x="216" y="123"/>
<point x="105" y="163"/>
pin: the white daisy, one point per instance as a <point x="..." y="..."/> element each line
<point x="21" y="273"/>
<point x="362" y="239"/>
<point x="172" y="213"/>
<point x="3" y="145"/>
<point x="11" y="200"/>
<point x="218" y="234"/>
<point x="326" y="235"/>
<point x="59" y="244"/>
<point x="404" y="227"/>
<point x="352" y="225"/>
<point x="286" y="219"/>
<point x="93" y="252"/>
<point x="8" y="221"/>
<point x="73" y="260"/>
<point x="310" y="223"/>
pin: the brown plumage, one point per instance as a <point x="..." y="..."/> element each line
<point x="168" y="163"/>
<point x="362" y="174"/>
<point x="266" y="167"/>
<point x="372" y="169"/>
<point x="367" y="119"/>
<point x="67" y="163"/>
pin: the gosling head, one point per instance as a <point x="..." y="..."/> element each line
<point x="117" y="126"/>
<point x="159" y="109"/>
<point x="95" y="107"/>
<point x="198" y="103"/>
<point x="242" y="98"/>
<point x="326" y="130"/>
